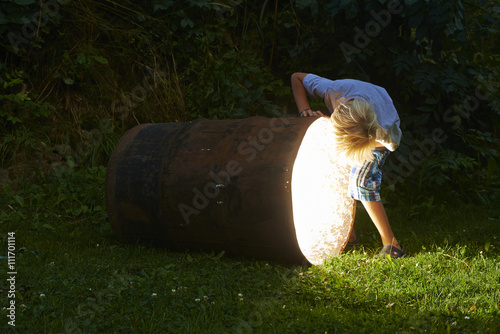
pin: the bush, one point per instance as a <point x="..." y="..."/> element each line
<point x="98" y="63"/>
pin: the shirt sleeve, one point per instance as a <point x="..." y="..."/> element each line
<point x="317" y="86"/>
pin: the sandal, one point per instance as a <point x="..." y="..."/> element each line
<point x="393" y="251"/>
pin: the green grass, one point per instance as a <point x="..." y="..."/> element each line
<point x="73" y="276"/>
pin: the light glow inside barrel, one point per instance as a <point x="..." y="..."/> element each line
<point x="322" y="212"/>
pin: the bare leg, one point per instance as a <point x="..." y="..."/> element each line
<point x="377" y="213"/>
<point x="352" y="235"/>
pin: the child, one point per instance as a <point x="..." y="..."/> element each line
<point x="366" y="128"/>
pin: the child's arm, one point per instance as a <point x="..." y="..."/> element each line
<point x="300" y="95"/>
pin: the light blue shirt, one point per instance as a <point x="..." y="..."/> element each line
<point x="388" y="132"/>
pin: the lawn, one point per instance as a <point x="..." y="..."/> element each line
<point x="73" y="276"/>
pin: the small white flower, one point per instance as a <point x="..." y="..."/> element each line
<point x="197" y="299"/>
<point x="42" y="295"/>
<point x="173" y="290"/>
<point x="154" y="295"/>
<point x="467" y="318"/>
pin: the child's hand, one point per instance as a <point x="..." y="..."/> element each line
<point x="309" y="112"/>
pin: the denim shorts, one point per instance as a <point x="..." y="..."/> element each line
<point x="364" y="180"/>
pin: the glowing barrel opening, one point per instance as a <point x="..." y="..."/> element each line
<point x="322" y="213"/>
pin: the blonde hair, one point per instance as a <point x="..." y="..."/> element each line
<point x="354" y="127"/>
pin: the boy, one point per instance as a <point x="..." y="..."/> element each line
<point x="366" y="128"/>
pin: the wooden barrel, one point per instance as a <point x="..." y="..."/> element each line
<point x="210" y="185"/>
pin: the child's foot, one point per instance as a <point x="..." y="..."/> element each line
<point x="393" y="251"/>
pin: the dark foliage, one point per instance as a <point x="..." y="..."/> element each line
<point x="69" y="65"/>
